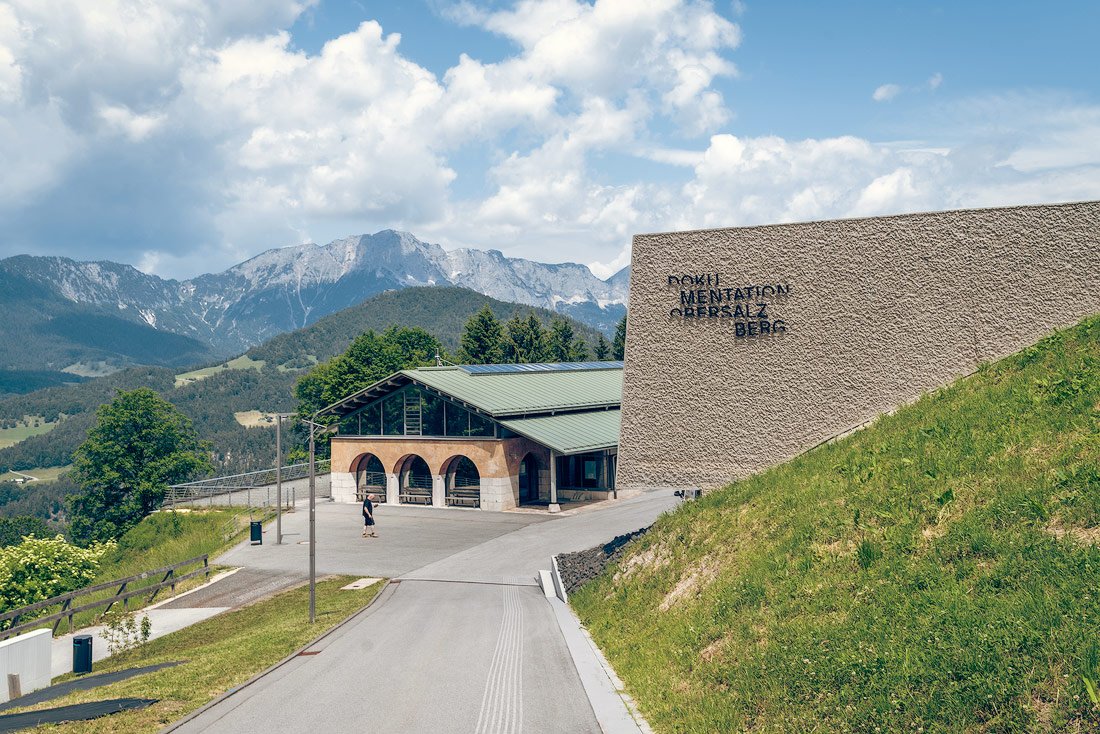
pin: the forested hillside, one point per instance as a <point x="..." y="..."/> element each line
<point x="264" y="381"/>
<point x="441" y="311"/>
<point x="45" y="333"/>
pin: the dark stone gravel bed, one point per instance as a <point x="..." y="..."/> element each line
<point x="579" y="568"/>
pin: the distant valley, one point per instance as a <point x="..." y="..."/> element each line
<point x="223" y="398"/>
<point x="65" y="320"/>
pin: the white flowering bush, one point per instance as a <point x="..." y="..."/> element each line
<point x="41" y="568"/>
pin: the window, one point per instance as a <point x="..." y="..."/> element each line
<point x="393" y="415"/>
<point x="439" y="417"/>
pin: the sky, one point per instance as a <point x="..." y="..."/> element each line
<point x="185" y="136"/>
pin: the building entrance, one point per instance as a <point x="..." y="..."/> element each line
<point x="529" y="479"/>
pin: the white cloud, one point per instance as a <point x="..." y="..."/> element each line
<point x="886" y="92"/>
<point x="200" y="127"/>
<point x="935" y="81"/>
<point x="134" y="126"/>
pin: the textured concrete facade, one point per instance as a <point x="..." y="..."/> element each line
<point x="748" y="346"/>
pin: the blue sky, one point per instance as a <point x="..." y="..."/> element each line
<point x="185" y="137"/>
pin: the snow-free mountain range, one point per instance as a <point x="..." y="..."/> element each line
<point x="278" y="291"/>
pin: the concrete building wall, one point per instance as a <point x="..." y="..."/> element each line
<point x="28" y="656"/>
<point x="497" y="462"/>
<point x="871" y="314"/>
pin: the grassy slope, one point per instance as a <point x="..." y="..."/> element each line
<point x="163" y="539"/>
<point x="935" y="572"/>
<point x="220" y="653"/>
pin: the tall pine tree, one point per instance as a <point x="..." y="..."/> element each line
<point x="526" y="340"/>
<point x="602" y="348"/>
<point x="618" y="345"/>
<point x="483" y="339"/>
<point x="564" y="346"/>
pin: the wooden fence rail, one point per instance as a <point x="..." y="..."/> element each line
<point x="170" y="579"/>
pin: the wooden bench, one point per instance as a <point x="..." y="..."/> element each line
<point x="464" y="496"/>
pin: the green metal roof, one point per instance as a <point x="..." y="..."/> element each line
<point x="571" y="433"/>
<point x="526" y="393"/>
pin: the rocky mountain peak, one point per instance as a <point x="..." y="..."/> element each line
<point x="290" y="287"/>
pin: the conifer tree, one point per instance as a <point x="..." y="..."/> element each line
<point x="526" y="340"/>
<point x="563" y="343"/>
<point x="602" y="348"/>
<point x="482" y="339"/>
<point x="618" y="345"/>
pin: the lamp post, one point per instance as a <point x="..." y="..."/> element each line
<point x="313" y="429"/>
<point x="279" y="476"/>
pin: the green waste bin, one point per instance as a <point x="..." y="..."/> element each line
<point x="257" y="532"/>
<point x="82" y="654"/>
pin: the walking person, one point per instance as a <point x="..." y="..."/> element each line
<point x="368" y="516"/>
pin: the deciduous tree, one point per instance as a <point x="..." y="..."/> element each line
<point x="14" y="529"/>
<point x="370" y="357"/>
<point x="42" y="568"/>
<point x="139" y="445"/>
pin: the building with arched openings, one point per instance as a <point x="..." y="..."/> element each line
<point x="493" y="437"/>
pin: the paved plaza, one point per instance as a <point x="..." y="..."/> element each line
<point x="465" y="641"/>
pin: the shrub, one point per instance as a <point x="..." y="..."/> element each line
<point x="41" y="568"/>
<point x="123" y="632"/>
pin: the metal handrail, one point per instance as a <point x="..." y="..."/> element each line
<point x="214" y="486"/>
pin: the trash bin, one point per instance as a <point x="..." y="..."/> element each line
<point x="82" y="654"/>
<point x="257" y="532"/>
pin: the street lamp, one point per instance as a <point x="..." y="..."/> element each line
<point x="279" y="476"/>
<point x="313" y="429"/>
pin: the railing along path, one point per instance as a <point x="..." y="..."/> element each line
<point x="170" y="579"/>
<point x="264" y="479"/>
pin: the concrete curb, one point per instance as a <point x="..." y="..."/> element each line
<point x="388" y="587"/>
<point x="559" y="587"/>
<point x="613" y="707"/>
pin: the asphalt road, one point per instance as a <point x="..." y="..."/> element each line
<point x="464" y="642"/>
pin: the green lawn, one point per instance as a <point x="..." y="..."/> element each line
<point x="220" y="653"/>
<point x="243" y="362"/>
<point x="937" y="571"/>
<point x="30" y="425"/>
<point x="168" y="537"/>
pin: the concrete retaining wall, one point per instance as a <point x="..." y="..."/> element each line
<point x="809" y="330"/>
<point x="28" y="656"/>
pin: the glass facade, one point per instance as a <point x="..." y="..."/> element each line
<point x="586" y="471"/>
<point x="416" y="412"/>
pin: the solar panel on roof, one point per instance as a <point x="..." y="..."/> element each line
<point x="516" y="369"/>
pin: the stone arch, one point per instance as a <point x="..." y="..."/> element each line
<point x="461" y="482"/>
<point x="370" y="477"/>
<point x="414" y="480"/>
